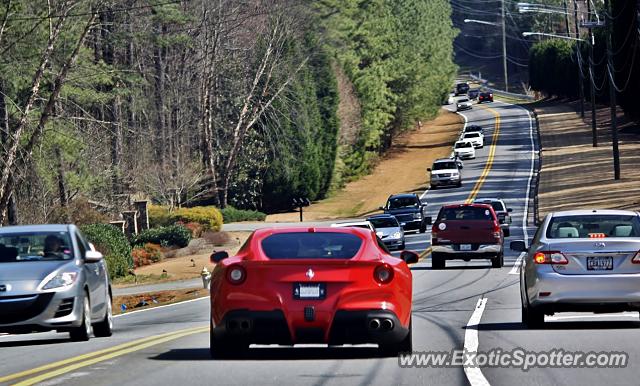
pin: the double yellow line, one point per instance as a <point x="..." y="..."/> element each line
<point x="485" y="172"/>
<point x="56" y="369"/>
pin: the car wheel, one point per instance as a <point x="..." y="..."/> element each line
<point x="222" y="348"/>
<point x="83" y="332"/>
<point x="403" y="346"/>
<point x="104" y="328"/>
<point x="507" y="232"/>
<point x="532" y="318"/>
<point x="437" y="261"/>
<point x="402" y="246"/>
<point x="498" y="261"/>
<point x="433" y="187"/>
<point x="459" y="184"/>
<point x="423" y="227"/>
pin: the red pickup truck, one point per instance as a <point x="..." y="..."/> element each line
<point x="467" y="231"/>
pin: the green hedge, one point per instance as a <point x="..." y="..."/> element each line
<point x="172" y="235"/>
<point x="113" y="244"/>
<point x="231" y="214"/>
<point x="208" y="216"/>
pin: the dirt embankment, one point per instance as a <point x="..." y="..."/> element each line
<point x="403" y="169"/>
<point x="576" y="175"/>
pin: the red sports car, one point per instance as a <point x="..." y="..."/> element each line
<point x="311" y="285"/>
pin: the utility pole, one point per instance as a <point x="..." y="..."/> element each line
<point x="578" y="58"/>
<point x="612" y="92"/>
<point x="566" y="18"/>
<point x="504" y="49"/>
<point x="594" y="131"/>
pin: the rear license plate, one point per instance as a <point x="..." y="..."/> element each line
<point x="309" y="290"/>
<point x="465" y="247"/>
<point x="600" y="263"/>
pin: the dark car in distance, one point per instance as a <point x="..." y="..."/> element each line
<point x="462" y="88"/>
<point x="485" y="96"/>
<point x="473" y="94"/>
<point x="408" y="210"/>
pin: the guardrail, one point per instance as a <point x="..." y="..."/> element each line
<point x="536" y="185"/>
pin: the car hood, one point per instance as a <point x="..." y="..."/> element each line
<point x="402" y="211"/>
<point x="387" y="231"/>
<point x="444" y="171"/>
<point x="30" y="270"/>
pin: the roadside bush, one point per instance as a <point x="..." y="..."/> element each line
<point x="148" y="254"/>
<point x="173" y="235"/>
<point x="114" y="246"/>
<point x="208" y="216"/>
<point x="159" y="216"/>
<point x="231" y="214"/>
<point x="79" y="212"/>
<point x="195" y="228"/>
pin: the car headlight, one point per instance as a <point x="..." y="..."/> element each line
<point x="63" y="279"/>
<point x="417" y="215"/>
<point x="396" y="235"/>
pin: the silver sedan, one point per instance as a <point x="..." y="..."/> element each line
<point x="582" y="261"/>
<point x="52" y="279"/>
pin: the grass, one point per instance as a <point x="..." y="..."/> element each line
<point x="140" y="279"/>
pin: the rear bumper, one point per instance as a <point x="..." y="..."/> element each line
<point x="445" y="182"/>
<point x="585" y="292"/>
<point x="483" y="251"/>
<point x="347" y="327"/>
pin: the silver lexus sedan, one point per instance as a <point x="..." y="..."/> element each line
<point x="581" y="261"/>
<point x="52" y="279"/>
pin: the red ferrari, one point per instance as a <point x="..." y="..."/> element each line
<point x="311" y="285"/>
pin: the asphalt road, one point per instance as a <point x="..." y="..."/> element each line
<point x="445" y="302"/>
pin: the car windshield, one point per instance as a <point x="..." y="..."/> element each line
<point x="384" y="222"/>
<point x="465" y="213"/>
<point x="593" y="226"/>
<point x="460" y="145"/>
<point x="471" y="135"/>
<point x="463" y="100"/>
<point x="473" y="128"/>
<point x="402" y="202"/>
<point x="35" y="246"/>
<point x="317" y="245"/>
<point x="444" y="165"/>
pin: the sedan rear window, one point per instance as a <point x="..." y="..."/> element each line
<point x="403" y="202"/>
<point x="465" y="213"/>
<point x="593" y="226"/>
<point x="320" y="245"/>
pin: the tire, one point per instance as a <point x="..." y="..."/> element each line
<point x="402" y="246"/>
<point x="434" y="187"/>
<point x="532" y="318"/>
<point x="404" y="346"/>
<point x="423" y="227"/>
<point x="498" y="261"/>
<point x="104" y="328"/>
<point x="223" y="349"/>
<point x="83" y="332"/>
<point x="437" y="261"/>
<point x="507" y="232"/>
<point x="459" y="185"/>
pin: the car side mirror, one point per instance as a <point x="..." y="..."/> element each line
<point x="509" y="210"/>
<point x="409" y="257"/>
<point x="217" y="257"/>
<point x="518" y="246"/>
<point x="428" y="169"/>
<point x="92" y="256"/>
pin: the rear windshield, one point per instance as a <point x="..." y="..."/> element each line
<point x="384" y="222"/>
<point x="593" y="226"/>
<point x="403" y="202"/>
<point x="465" y="213"/>
<point x="320" y="245"/>
<point x="497" y="205"/>
<point x="35" y="246"/>
<point x="444" y="165"/>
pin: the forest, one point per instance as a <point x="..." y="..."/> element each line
<point x="232" y="103"/>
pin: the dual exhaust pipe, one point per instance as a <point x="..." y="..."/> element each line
<point x="238" y="325"/>
<point x="384" y="324"/>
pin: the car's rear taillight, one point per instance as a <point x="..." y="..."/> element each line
<point x="550" y="257"/>
<point x="383" y="274"/>
<point x="236" y="274"/>
<point x="496" y="230"/>
<point x="636" y="258"/>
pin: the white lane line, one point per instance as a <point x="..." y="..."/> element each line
<point x="474" y="373"/>
<point x="164" y="306"/>
<point x="516" y="266"/>
<point x="624" y="315"/>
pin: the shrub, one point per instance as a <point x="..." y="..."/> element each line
<point x="113" y="244"/>
<point x="231" y="214"/>
<point x="195" y="228"/>
<point x="171" y="235"/>
<point x="140" y="257"/>
<point x="159" y="216"/>
<point x="208" y="216"/>
<point x="79" y="212"/>
<point x="154" y="251"/>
